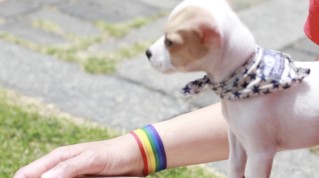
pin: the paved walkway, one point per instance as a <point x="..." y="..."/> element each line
<point x="136" y="95"/>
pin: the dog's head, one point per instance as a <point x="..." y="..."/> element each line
<point x="190" y="35"/>
<point x="202" y="35"/>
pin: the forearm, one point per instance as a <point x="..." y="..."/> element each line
<point x="192" y="138"/>
<point x="196" y="137"/>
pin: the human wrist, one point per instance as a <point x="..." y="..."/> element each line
<point x="151" y="148"/>
<point x="136" y="157"/>
<point x="129" y="161"/>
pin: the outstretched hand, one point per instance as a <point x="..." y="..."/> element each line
<point x="116" y="157"/>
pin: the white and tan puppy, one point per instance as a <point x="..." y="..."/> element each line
<point x="203" y="35"/>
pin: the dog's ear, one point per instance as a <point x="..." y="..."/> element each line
<point x="195" y="19"/>
<point x="206" y="26"/>
<point x="209" y="33"/>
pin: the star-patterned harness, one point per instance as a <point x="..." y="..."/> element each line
<point x="265" y="71"/>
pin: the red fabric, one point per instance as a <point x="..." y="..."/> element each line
<point x="311" y="27"/>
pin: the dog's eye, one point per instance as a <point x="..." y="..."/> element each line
<point x="169" y="43"/>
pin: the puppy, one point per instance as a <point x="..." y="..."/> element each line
<point x="268" y="102"/>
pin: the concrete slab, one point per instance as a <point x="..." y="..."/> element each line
<point x="132" y="10"/>
<point x="140" y="71"/>
<point x="163" y="4"/>
<point x="308" y="46"/>
<point x="261" y="33"/>
<point x="205" y="98"/>
<point x="276" y="24"/>
<point x="25" y="31"/>
<point x="83" y="10"/>
<point x="15" y="8"/>
<point x="45" y="2"/>
<point x="298" y="55"/>
<point x="148" y="32"/>
<point x="238" y="5"/>
<point x="111" y="44"/>
<point x="101" y="98"/>
<point x="67" y="23"/>
<point x="292" y="164"/>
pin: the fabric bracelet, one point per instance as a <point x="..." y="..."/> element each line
<point x="152" y="149"/>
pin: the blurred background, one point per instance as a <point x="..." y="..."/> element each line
<point x="71" y="59"/>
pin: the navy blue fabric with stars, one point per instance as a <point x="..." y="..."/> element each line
<point x="264" y="72"/>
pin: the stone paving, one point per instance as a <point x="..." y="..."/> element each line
<point x="135" y="95"/>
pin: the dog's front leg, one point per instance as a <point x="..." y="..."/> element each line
<point x="237" y="157"/>
<point x="260" y="158"/>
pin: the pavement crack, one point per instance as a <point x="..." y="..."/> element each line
<point x="148" y="88"/>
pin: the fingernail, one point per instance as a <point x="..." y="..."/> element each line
<point x="50" y="174"/>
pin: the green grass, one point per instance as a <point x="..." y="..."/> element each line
<point x="315" y="149"/>
<point x="122" y="29"/>
<point x="96" y="62"/>
<point x="198" y="171"/>
<point x="48" y="26"/>
<point x="78" y="48"/>
<point x="26" y="134"/>
<point x="99" y="65"/>
<point x="30" y="129"/>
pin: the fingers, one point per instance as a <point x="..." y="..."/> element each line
<point x="42" y="165"/>
<point x="66" y="169"/>
<point x="118" y="156"/>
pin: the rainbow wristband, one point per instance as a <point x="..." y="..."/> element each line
<point x="152" y="149"/>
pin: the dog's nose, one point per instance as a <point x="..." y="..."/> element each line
<point x="148" y="54"/>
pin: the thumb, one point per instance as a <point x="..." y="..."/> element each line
<point x="68" y="169"/>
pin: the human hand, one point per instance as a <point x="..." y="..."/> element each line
<point x="116" y="157"/>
